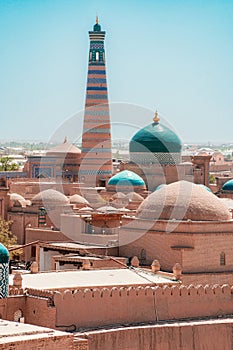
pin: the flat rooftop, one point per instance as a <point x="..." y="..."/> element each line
<point x="71" y="245"/>
<point x="92" y="278"/>
<point x="15" y="331"/>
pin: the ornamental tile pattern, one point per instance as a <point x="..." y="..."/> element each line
<point x="96" y="156"/>
<point x="4" y="280"/>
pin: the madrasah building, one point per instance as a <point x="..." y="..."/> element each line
<point x="147" y="244"/>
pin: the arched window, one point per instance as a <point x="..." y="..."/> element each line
<point x="90" y="56"/>
<point x="222" y="259"/>
<point x="17" y="315"/>
<point x="97" y="56"/>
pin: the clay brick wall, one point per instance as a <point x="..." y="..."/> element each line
<point x="36" y="310"/>
<point x="80" y="344"/>
<point x="207" y="278"/>
<point x="156" y="246"/>
<point x="20" y="220"/>
<point x="10" y="305"/>
<point x="186" y="336"/>
<point x="195" y="245"/>
<point x="28" y="188"/>
<point x="206" y="253"/>
<point x="39" y="342"/>
<point x="99" y="307"/>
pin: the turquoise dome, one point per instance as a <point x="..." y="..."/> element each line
<point x="4" y="254"/>
<point x="228" y="186"/>
<point x="155" y="143"/>
<point x="205" y="187"/>
<point x="126" y="178"/>
<point x="159" y="186"/>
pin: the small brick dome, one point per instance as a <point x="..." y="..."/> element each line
<point x="183" y="200"/>
<point x="18" y="200"/>
<point x="77" y="199"/>
<point x="16" y="197"/>
<point x="50" y="196"/>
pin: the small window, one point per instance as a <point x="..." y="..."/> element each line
<point x="33" y="251"/>
<point x="222" y="259"/>
<point x="97" y="55"/>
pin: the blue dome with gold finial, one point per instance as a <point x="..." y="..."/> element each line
<point x="155" y="143"/>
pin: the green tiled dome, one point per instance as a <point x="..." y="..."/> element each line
<point x="228" y="186"/>
<point x="126" y="177"/>
<point x="157" y="140"/>
<point x="4" y="254"/>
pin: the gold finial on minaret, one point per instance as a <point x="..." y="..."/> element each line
<point x="97" y="19"/>
<point x="156" y="118"/>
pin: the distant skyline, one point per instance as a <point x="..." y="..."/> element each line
<point x="174" y="56"/>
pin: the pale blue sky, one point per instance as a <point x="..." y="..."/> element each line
<point x="176" y="56"/>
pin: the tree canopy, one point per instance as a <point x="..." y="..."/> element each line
<point x="6" y="164"/>
<point x="6" y="236"/>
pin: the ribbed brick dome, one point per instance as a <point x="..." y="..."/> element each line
<point x="50" y="196"/>
<point x="77" y="199"/>
<point x="183" y="201"/>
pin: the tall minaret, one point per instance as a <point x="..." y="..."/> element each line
<point x="96" y="156"/>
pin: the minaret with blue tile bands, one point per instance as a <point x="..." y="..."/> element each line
<point x="96" y="156"/>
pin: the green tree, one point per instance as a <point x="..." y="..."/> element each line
<point x="6" y="236"/>
<point x="212" y="179"/>
<point x="7" y="165"/>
